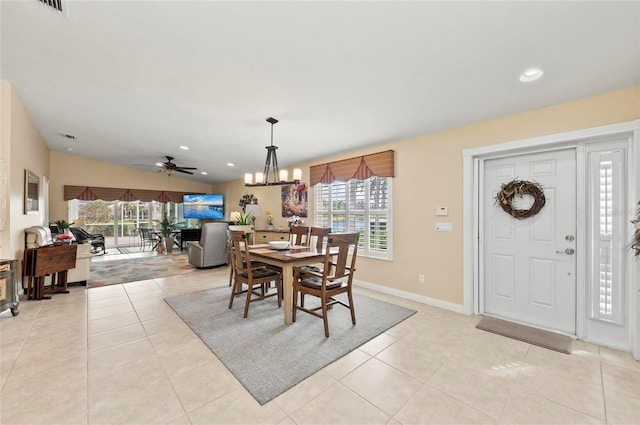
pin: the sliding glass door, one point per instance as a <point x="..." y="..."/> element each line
<point x="119" y="221"/>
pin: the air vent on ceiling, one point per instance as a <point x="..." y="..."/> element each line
<point x="56" y="4"/>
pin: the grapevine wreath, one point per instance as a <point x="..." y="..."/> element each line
<point x="520" y="187"/>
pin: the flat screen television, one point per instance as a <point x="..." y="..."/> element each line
<point x="203" y="206"/>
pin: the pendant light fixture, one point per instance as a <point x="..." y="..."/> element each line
<point x="272" y="175"/>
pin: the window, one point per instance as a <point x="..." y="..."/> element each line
<point x="118" y="220"/>
<point x="358" y="206"/>
<point x="606" y="228"/>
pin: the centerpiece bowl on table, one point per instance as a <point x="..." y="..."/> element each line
<point x="280" y="245"/>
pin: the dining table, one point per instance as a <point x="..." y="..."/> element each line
<point x="287" y="259"/>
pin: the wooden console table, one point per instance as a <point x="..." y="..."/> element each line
<point x="189" y="235"/>
<point x="54" y="260"/>
<point x="266" y="235"/>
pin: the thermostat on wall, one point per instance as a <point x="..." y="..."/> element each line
<point x="442" y="211"/>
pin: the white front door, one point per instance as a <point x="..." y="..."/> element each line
<point x="529" y="265"/>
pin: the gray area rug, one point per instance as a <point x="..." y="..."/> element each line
<point x="550" y="340"/>
<point x="269" y="357"/>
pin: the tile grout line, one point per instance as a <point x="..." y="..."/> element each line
<point x="604" y="396"/>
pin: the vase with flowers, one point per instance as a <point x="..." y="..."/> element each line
<point x="294" y="221"/>
<point x="269" y="215"/>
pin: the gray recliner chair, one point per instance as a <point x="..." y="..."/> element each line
<point x="211" y="250"/>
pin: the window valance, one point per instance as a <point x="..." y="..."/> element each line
<point x="90" y="193"/>
<point x="379" y="164"/>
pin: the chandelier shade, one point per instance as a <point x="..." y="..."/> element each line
<point x="272" y="175"/>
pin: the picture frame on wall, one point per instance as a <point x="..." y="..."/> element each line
<point x="31" y="192"/>
<point x="294" y="200"/>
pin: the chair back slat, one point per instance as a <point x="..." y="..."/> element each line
<point x="248" y="229"/>
<point x="239" y="251"/>
<point x="343" y="242"/>
<point x="320" y="233"/>
<point x="299" y="235"/>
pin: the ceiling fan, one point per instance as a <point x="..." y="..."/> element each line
<point x="169" y="167"/>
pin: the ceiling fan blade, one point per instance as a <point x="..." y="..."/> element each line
<point x="186" y="168"/>
<point x="183" y="171"/>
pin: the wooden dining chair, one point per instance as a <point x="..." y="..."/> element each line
<point x="247" y="229"/>
<point x="252" y="277"/>
<point x="320" y="234"/>
<point x="335" y="278"/>
<point x="299" y="235"/>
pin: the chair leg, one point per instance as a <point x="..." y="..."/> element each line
<point x="353" y="312"/>
<point x="246" y="304"/>
<point x="279" y="290"/>
<point x="230" y="275"/>
<point x="234" y="292"/>
<point x="324" y="316"/>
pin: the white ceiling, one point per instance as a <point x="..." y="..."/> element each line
<point x="134" y="80"/>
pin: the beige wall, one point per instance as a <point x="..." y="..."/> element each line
<point x="429" y="175"/>
<point x="22" y="147"/>
<point x="73" y="170"/>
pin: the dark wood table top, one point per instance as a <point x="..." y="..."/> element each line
<point x="293" y="254"/>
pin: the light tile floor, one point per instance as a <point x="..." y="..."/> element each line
<point x="120" y="355"/>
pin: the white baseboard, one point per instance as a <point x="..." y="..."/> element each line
<point x="458" y="308"/>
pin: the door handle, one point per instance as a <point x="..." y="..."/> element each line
<point x="568" y="251"/>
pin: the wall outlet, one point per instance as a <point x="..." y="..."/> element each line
<point x="420" y="278"/>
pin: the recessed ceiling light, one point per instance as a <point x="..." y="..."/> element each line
<point x="159" y="164"/>
<point x="230" y="164"/>
<point x="204" y="173"/>
<point x="184" y="148"/>
<point x="531" y="74"/>
<point x="68" y="149"/>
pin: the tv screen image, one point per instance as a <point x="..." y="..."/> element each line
<point x="203" y="206"/>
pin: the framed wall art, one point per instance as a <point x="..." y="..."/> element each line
<point x="294" y="200"/>
<point x="31" y="192"/>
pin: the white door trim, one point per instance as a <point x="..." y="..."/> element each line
<point x="471" y="223"/>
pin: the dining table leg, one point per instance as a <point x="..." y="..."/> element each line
<point x="287" y="292"/>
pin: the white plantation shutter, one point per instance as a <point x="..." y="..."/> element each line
<point x="607" y="200"/>
<point x="378" y="217"/>
<point x="322" y="193"/>
<point x="357" y="206"/>
<point x="362" y="206"/>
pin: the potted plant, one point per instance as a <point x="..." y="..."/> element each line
<point x="242" y="222"/>
<point x="247" y="199"/>
<point x="167" y="229"/>
<point x="63" y="225"/>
